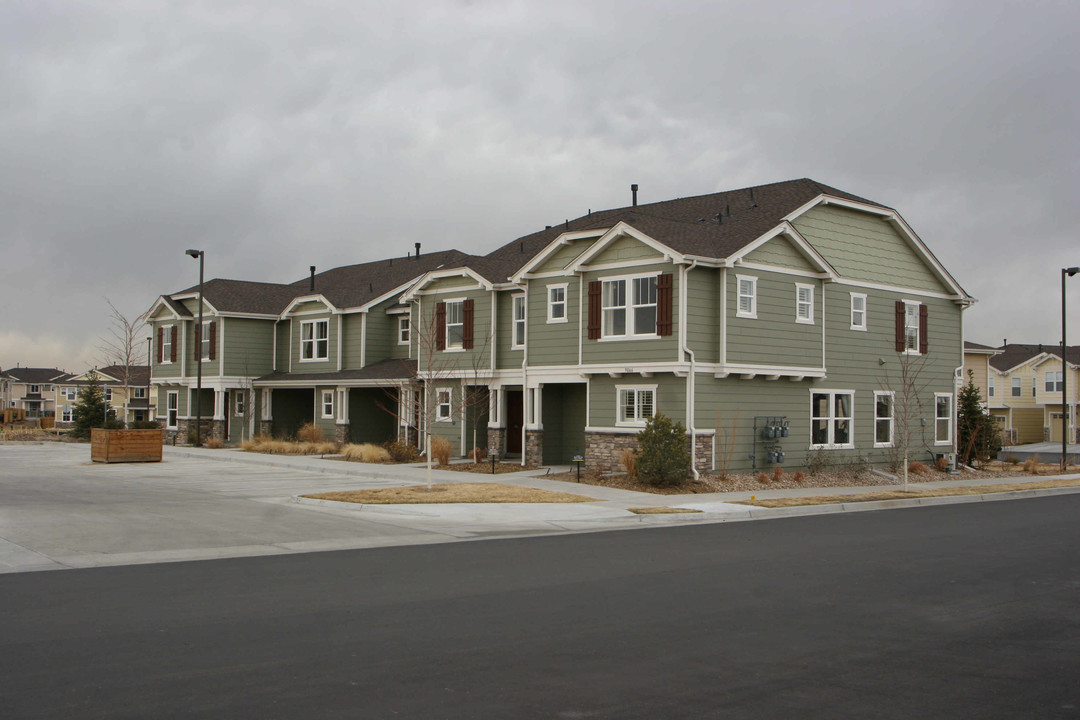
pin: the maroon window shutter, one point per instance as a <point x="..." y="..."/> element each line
<point x="161" y="344"/>
<point x="924" y="336"/>
<point x="172" y="344"/>
<point x="440" y="326"/>
<point x="198" y="343"/>
<point x="467" y="322"/>
<point x="663" y="304"/>
<point x="213" y="340"/>
<point x="900" y="342"/>
<point x="595" y="308"/>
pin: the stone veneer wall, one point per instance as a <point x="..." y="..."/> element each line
<point x="604" y="449"/>
<point x="534" y="447"/>
<point x="209" y="429"/>
<point x="266" y="427"/>
<point x="341" y="433"/>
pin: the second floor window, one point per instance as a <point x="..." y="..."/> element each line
<point x="204" y="344"/>
<point x="556" y="303"/>
<point x="35" y="389"/>
<point x="747" y="306"/>
<point x="804" y="303"/>
<point x="403" y="330"/>
<point x="315" y="340"/>
<point x="1016" y="387"/>
<point x="165" y="339"/>
<point x="519" y="321"/>
<point x="629" y="313"/>
<point x="911" y="327"/>
<point x="858" y="311"/>
<point x="138" y="393"/>
<point x="455" y="323"/>
<point x="990" y="387"/>
<point x="1055" y="380"/>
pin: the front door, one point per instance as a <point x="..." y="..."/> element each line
<point x="515" y="419"/>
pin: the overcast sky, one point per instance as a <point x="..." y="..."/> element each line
<point x="278" y="135"/>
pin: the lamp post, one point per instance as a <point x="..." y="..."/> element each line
<point x="200" y="255"/>
<point x="1065" y="272"/>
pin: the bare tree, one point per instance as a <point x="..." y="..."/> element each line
<point x="907" y="386"/>
<point x="123" y="345"/>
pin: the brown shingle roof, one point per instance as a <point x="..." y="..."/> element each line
<point x="1015" y="354"/>
<point x="36" y="375"/>
<point x="392" y="369"/>
<point x="243" y="296"/>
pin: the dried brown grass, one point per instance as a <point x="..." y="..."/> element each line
<point x="214" y="443"/>
<point x="908" y="494"/>
<point x="310" y="433"/>
<point x="1031" y="465"/>
<point x="365" y="452"/>
<point x="440" y="449"/>
<point x="269" y="446"/>
<point x="918" y="468"/>
<point x="628" y="459"/>
<point x="451" y="493"/>
<point x="661" y="510"/>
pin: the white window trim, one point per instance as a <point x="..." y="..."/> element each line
<point x="628" y="307"/>
<point x="205" y="341"/>
<point x="314" y="341"/>
<point x="918" y="328"/>
<point x="798" y="318"/>
<point x="1016" y="387"/>
<point x="949" y="418"/>
<point x="619" y="389"/>
<point x="327" y="401"/>
<point x="239" y="403"/>
<point x="460" y="347"/>
<point x="35" y="390"/>
<point x="172" y="405"/>
<point x="892" y="418"/>
<point x="514" y="321"/>
<point x="854" y="325"/>
<point x="405" y="331"/>
<point x="832" y="419"/>
<point x="135" y="393"/>
<point x="449" y="404"/>
<point x="166" y="344"/>
<point x="752" y="312"/>
<point x="564" y="302"/>
<point x="990" y="386"/>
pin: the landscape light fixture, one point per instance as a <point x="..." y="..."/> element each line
<point x="200" y="256"/>
<point x="1065" y="272"/>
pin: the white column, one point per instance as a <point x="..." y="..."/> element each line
<point x="219" y="405"/>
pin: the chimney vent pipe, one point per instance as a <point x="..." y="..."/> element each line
<point x="417" y="251"/>
<point x="311" y="285"/>
<point x="633" y="193"/>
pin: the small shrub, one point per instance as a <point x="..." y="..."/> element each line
<point x="478" y="454"/>
<point x="310" y="432"/>
<point x="440" y="449"/>
<point x="818" y="461"/>
<point x="1031" y="465"/>
<point x="145" y="425"/>
<point x="628" y="460"/>
<point x="942" y="464"/>
<point x="857" y="464"/>
<point x="917" y="468"/>
<point x="778" y="474"/>
<point x="191" y="436"/>
<point x="214" y="443"/>
<point x="402" y="452"/>
<point x="762" y="477"/>
<point x="365" y="452"/>
<point x="1012" y="459"/>
<point x="663" y="454"/>
<point x="798" y="476"/>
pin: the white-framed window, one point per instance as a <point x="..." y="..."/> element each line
<point x="629" y="307"/>
<point x="832" y="414"/>
<point x="67" y="415"/>
<point x="1034" y="386"/>
<point x="166" y="344"/>
<point x="883" y="419"/>
<point x="747" y="305"/>
<point x="858" y="311"/>
<point x="35" y="389"/>
<point x="1016" y="387"/>
<point x="444" y="405"/>
<point x="204" y="343"/>
<point x="637" y="403"/>
<point x="239" y="400"/>
<point x="942" y="418"/>
<point x="455" y="323"/>
<point x="1055" y="380"/>
<point x="172" y="405"/>
<point x="138" y="393"/>
<point x="518" y="340"/>
<point x="804" y="303"/>
<point x="327" y="404"/>
<point x="108" y="394"/>
<point x="556" y="306"/>
<point x="403" y="330"/>
<point x="911" y="327"/>
<point x="314" y="340"/>
<point x="69" y="393"/>
<point x="990" y="386"/>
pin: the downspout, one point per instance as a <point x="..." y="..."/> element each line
<point x="525" y="405"/>
<point x="691" y="379"/>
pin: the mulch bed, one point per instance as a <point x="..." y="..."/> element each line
<point x="484" y="468"/>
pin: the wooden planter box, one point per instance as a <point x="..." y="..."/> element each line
<point x="111" y="446"/>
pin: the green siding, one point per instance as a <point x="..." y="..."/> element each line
<point x="780" y="251"/>
<point x="167" y="369"/>
<point x="563" y="410"/>
<point x="864" y="247"/>
<point x="505" y="357"/>
<point x="479" y="357"/>
<point x="773" y="337"/>
<point x="603" y="397"/>
<point x="352" y="341"/>
<point x="703" y="313"/>
<point x="309" y="366"/>
<point x="450" y="430"/>
<point x="564" y="255"/>
<point x="328" y="425"/>
<point x="283" y="329"/>
<point x="248" y="346"/>
<point x="623" y="249"/>
<point x="553" y="343"/>
<point x="627" y="352"/>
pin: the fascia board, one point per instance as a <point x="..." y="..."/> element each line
<point x="563" y="239"/>
<point x="615" y="232"/>
<point x="428" y="277"/>
<point x="383" y="298"/>
<point x="807" y="250"/>
<point x="195" y="296"/>
<point x="162" y="303"/>
<point x="288" y="311"/>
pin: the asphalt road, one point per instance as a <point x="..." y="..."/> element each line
<point x="943" y="612"/>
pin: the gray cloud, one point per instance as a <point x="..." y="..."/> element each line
<point x="276" y="137"/>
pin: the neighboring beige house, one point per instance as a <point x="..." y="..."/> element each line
<point x="138" y="407"/>
<point x="32" y="390"/>
<point x="1023" y="389"/>
<point x="977" y="362"/>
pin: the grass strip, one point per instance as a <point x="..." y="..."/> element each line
<point x="912" y="493"/>
<point x="451" y="493"/>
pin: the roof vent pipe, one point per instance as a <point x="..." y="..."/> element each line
<point x="311" y="285"/>
<point x="633" y="193"/>
<point x="417" y="251"/>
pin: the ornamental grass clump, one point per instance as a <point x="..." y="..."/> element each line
<point x="663" y="453"/>
<point x="365" y="452"/>
<point x="440" y="449"/>
<point x="310" y="432"/>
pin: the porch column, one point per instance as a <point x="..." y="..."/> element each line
<point x="219" y="405"/>
<point x="341" y="428"/>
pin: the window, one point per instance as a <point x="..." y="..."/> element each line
<point x="314" y="340"/>
<point x="883" y="419"/>
<point x="204" y="343"/>
<point x="831" y="418"/>
<point x="166" y="335"/>
<point x="443" y="407"/>
<point x="990" y="386"/>
<point x="328" y="403"/>
<point x="636" y="405"/>
<point x="911" y="327"/>
<point x="628" y="316"/>
<point x="942" y="418"/>
<point x="403" y="330"/>
<point x="172" y="408"/>
<point x="556" y="303"/>
<point x="1016" y="387"/>
<point x="519" y="322"/>
<point x="67" y="415"/>
<point x="138" y="393"/>
<point x="804" y="303"/>
<point x="747" y="297"/>
<point x="858" y="311"/>
<point x="69" y="393"/>
<point x="35" y="389"/>
<point x="238" y="403"/>
<point x="1055" y="381"/>
<point x="108" y="394"/>
<point x="455" y="323"/>
<point x="1034" y="386"/>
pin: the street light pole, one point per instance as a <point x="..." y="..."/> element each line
<point x="198" y="354"/>
<point x="1065" y="371"/>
